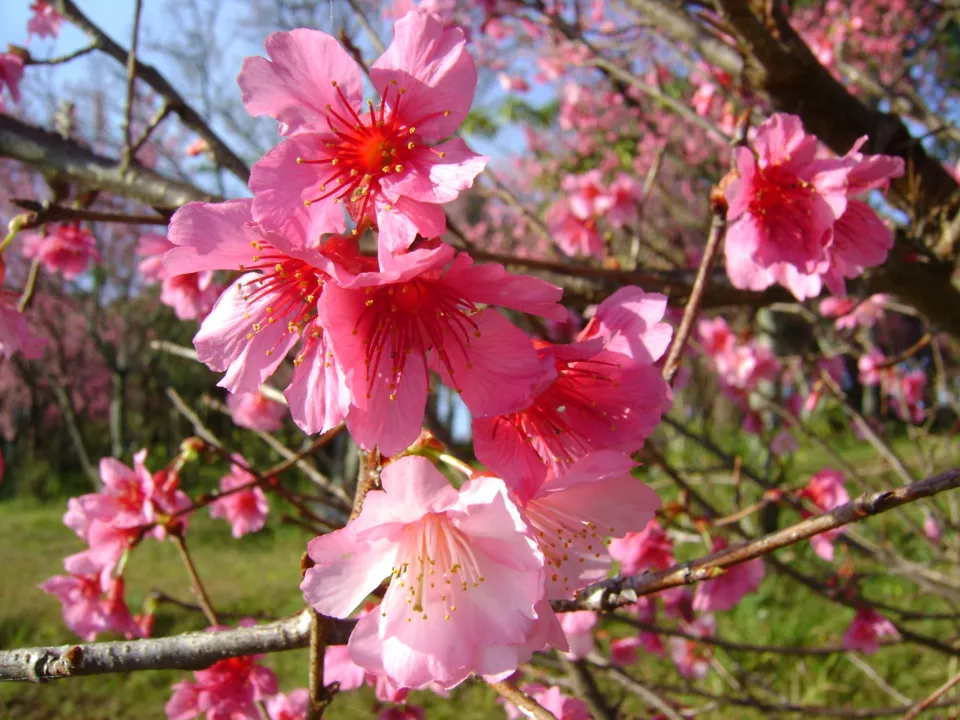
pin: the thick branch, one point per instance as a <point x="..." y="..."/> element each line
<point x="70" y="161"/>
<point x="192" y="651"/>
<point x="152" y="77"/>
<point x="619" y="591"/>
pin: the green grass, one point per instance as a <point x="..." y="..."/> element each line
<point x="260" y="573"/>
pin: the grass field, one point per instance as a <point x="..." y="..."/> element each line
<point x="260" y="573"/>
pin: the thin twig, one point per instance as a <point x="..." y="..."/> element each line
<point x="197" y="585"/>
<point x="127" y="126"/>
<point x="718" y="226"/>
<point x="527" y="704"/>
<point x="154" y="123"/>
<point x="936" y="695"/>
<point x="60" y="59"/>
<point x="46" y="212"/>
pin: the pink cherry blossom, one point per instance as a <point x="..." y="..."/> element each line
<point x="724" y="592"/>
<point x="245" y="509"/>
<point x="260" y="317"/>
<point x="152" y="247"/>
<point x="826" y="490"/>
<point x="15" y="336"/>
<point x="552" y="699"/>
<point x="868" y="625"/>
<point x="292" y="706"/>
<point x="650" y="549"/>
<point x="692" y="659"/>
<point x="512" y="83"/>
<point x="716" y="337"/>
<point x="908" y="393"/>
<point x="783" y="203"/>
<point x="585" y="193"/>
<point x="931" y="527"/>
<point x="401" y="712"/>
<point x="872" y="371"/>
<point x="255" y="411"/>
<point x="464" y="577"/>
<point x="620" y="201"/>
<point x="11" y="72"/>
<point x="850" y="313"/>
<point x="574" y="235"/>
<point x="578" y="627"/>
<point x="387" y="328"/>
<point x="227" y="690"/>
<point x="66" y="249"/>
<point x="93" y="602"/>
<point x="192" y="295"/>
<point x="379" y="162"/>
<point x="570" y="515"/>
<point x="45" y="21"/>
<point x="601" y="392"/>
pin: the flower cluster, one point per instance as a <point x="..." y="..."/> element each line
<point x="794" y="216"/>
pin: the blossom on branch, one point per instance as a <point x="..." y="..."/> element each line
<point x="66" y="249"/>
<point x="244" y="504"/>
<point x="386" y="164"/>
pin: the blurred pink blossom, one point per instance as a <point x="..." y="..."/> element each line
<point x="45" y="21"/>
<point x="724" y="592"/>
<point x="66" y="249"/>
<point x="292" y="706"/>
<point x="255" y="411"/>
<point x="650" y="549"/>
<point x="246" y="510"/>
<point x="867" y="627"/>
<point x="563" y="707"/>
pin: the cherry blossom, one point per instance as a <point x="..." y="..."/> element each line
<point x="387" y="328"/>
<point x="245" y="509"/>
<point x="11" y="72"/>
<point x="725" y="591"/>
<point x="692" y="659"/>
<point x="260" y="317"/>
<point x="552" y="699"/>
<point x="866" y="628"/>
<point x="578" y="627"/>
<point x="66" y="249"/>
<point x="574" y="235"/>
<point x="45" y="21"/>
<point x="380" y="163"/>
<point x="292" y="706"/>
<point x="600" y="392"/>
<point x="15" y="336"/>
<point x="650" y="549"/>
<point x="255" y="411"/>
<point x="464" y="577"/>
<point x="826" y="490"/>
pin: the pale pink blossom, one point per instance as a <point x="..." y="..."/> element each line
<point x="443" y="9"/>
<point x="245" y="509"/>
<point x="293" y="705"/>
<point x="191" y="295"/>
<point x="387" y="328"/>
<point x="381" y="163"/>
<point x="11" y="73"/>
<point x="45" y="21"/>
<point x="584" y="193"/>
<point x="650" y="549"/>
<point x="578" y="627"/>
<point x="261" y="316"/>
<point x="908" y="393"/>
<point x="725" y="591"/>
<point x="620" y="201"/>
<point x="563" y="707"/>
<point x="512" y="83"/>
<point x="66" y="249"/>
<point x="255" y="411"/>
<point x="716" y="337"/>
<point x="931" y="528"/>
<point x="227" y="690"/>
<point x="826" y="491"/>
<point x="421" y="533"/>
<point x="867" y="627"/>
<point x="872" y="370"/>
<point x="152" y="247"/>
<point x="600" y="392"/>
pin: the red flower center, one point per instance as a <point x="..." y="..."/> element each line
<point x="412" y="317"/>
<point x="368" y="147"/>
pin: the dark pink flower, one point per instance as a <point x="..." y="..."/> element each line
<point x="45" y="21"/>
<point x="868" y="625"/>
<point x="246" y="510"/>
<point x="783" y="203"/>
<point x="292" y="706"/>
<point x="573" y="234"/>
<point x="66" y="249"/>
<point x="388" y="328"/>
<point x="260" y="317"/>
<point x="826" y="490"/>
<point x="601" y="392"/>
<point x="11" y="72"/>
<point x="401" y="712"/>
<point x="716" y="337"/>
<point x="725" y="591"/>
<point x="227" y="690"/>
<point x="464" y="577"/>
<point x="15" y="336"/>
<point x="650" y="549"/>
<point x="255" y="411"/>
<point x="381" y="162"/>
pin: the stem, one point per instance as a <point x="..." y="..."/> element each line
<point x="319" y="697"/>
<point x="131" y="89"/>
<point x="198" y="588"/>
